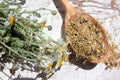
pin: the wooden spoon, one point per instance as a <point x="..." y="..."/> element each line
<point x="71" y="12"/>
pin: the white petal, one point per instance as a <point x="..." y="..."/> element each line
<point x="6" y="23"/>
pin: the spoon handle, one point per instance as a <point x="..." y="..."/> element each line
<point x="67" y="5"/>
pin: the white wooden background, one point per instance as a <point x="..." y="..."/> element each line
<point x="106" y="11"/>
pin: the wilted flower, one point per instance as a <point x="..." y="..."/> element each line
<point x="49" y="27"/>
<point x="54" y="12"/>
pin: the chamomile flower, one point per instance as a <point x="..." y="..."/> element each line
<point x="11" y="19"/>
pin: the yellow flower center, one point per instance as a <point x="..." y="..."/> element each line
<point x="43" y="24"/>
<point x="50" y="65"/>
<point x="60" y="60"/>
<point x="59" y="49"/>
<point x="12" y="20"/>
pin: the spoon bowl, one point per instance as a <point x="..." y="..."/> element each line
<point x="72" y="13"/>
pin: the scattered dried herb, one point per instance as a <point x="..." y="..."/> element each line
<point x="113" y="60"/>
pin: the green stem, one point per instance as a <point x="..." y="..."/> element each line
<point x="27" y="29"/>
<point x="16" y="52"/>
<point x="28" y="52"/>
<point x="3" y="19"/>
<point x="36" y="44"/>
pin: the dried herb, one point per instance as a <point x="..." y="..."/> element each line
<point x="113" y="60"/>
<point x="85" y="37"/>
